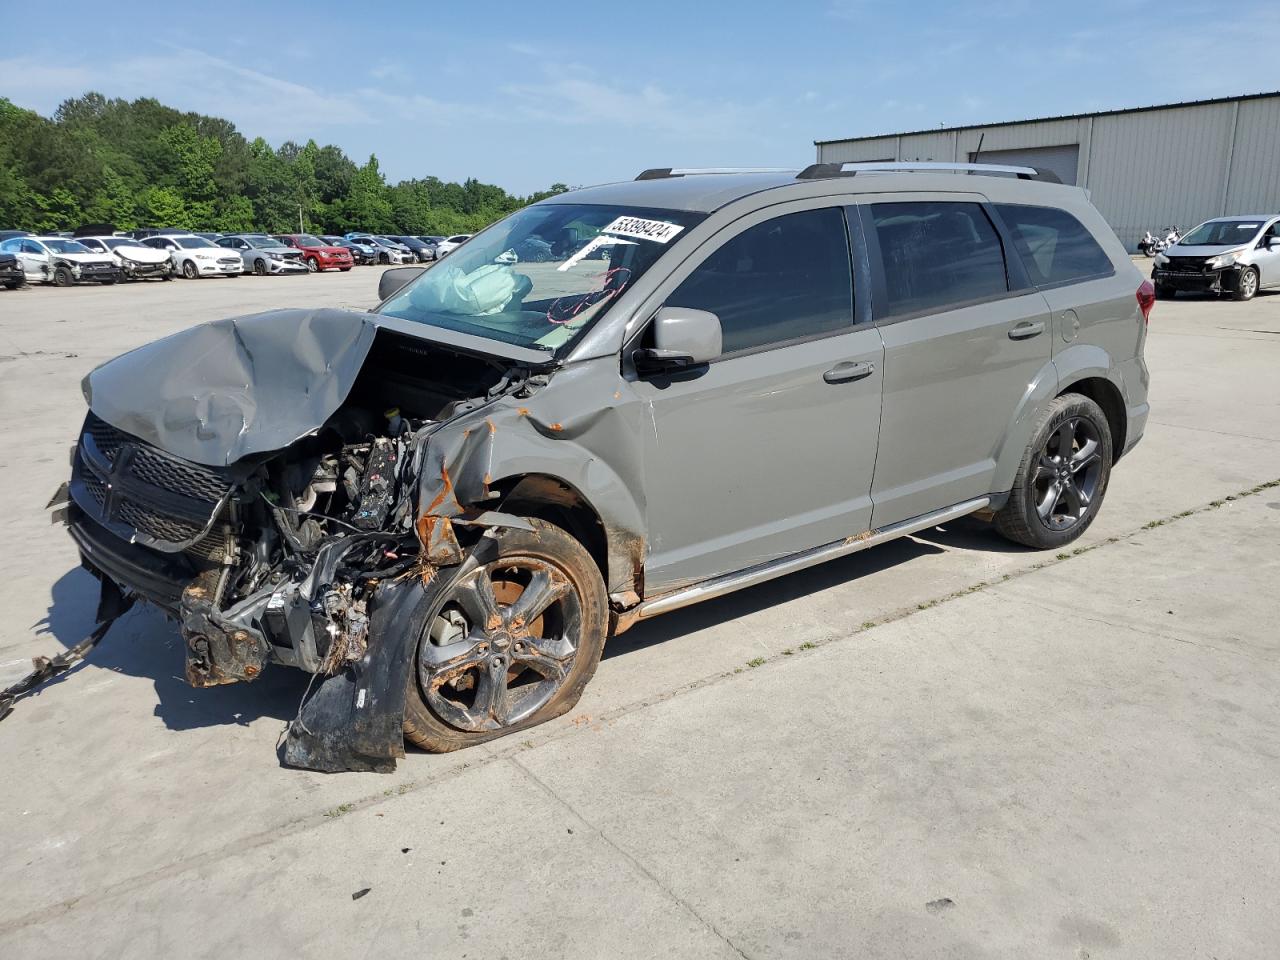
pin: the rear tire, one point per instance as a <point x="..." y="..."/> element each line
<point x="1062" y="479"/>
<point x="536" y="667"/>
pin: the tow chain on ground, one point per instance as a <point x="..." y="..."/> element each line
<point x="46" y="668"/>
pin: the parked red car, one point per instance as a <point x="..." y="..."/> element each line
<point x="318" y="254"/>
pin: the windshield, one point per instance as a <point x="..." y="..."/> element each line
<point x="114" y="242"/>
<point x="66" y="246"/>
<point x="542" y="276"/>
<point x="1221" y="233"/>
<point x="309" y="241"/>
<point x="263" y="242"/>
<point x="191" y="243"/>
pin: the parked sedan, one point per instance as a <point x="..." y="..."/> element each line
<point x="361" y="253"/>
<point x="136" y="261"/>
<point x="317" y="254"/>
<point x="422" y="251"/>
<point x="384" y="251"/>
<point x="396" y="244"/>
<point x="264" y="255"/>
<point x="449" y="244"/>
<point x="60" y="261"/>
<point x="195" y="257"/>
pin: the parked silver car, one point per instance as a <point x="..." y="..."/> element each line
<point x="446" y="505"/>
<point x="1229" y="255"/>
<point x="263" y="255"/>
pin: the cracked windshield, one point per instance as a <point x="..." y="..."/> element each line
<point x="543" y="275"/>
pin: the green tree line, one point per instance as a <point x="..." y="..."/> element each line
<point x="142" y="164"/>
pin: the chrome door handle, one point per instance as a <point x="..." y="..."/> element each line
<point x="849" y="370"/>
<point x="1025" y="331"/>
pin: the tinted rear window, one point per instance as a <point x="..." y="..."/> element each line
<point x="1055" y="246"/>
<point x="937" y="255"/>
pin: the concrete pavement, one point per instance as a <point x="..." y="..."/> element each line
<point x="933" y="760"/>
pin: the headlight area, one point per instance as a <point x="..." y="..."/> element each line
<point x="1224" y="261"/>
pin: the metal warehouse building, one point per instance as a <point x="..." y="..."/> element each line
<point x="1144" y="168"/>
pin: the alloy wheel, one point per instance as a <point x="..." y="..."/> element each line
<point x="1248" y="283"/>
<point x="502" y="645"/>
<point x="1067" y="473"/>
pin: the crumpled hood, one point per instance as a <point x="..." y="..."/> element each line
<point x="221" y="391"/>
<point x="1215" y="251"/>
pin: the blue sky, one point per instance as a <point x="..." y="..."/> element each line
<point x="525" y="94"/>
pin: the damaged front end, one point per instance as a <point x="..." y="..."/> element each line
<point x="282" y="524"/>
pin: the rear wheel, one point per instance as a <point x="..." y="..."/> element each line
<point x="1063" y="476"/>
<point x="1247" y="285"/>
<point x="189" y="269"/>
<point x="510" y="645"/>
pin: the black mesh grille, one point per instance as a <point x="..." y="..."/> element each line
<point x="167" y="518"/>
<point x="1187" y="264"/>
<point x="177" y="475"/>
<point x="95" y="487"/>
<point x="155" y="524"/>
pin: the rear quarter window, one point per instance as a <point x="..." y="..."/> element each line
<point x="1055" y="247"/>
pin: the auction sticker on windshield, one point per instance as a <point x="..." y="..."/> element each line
<point x="657" y="230"/>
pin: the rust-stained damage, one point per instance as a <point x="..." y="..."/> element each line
<point x="317" y="554"/>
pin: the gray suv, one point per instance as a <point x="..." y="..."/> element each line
<point x="445" y="506"/>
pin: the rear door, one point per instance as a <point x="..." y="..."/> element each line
<point x="769" y="449"/>
<point x="965" y="337"/>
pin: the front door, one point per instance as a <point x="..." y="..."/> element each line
<point x="1267" y="258"/>
<point x="769" y="449"/>
<point x="965" y="340"/>
<point x="35" y="261"/>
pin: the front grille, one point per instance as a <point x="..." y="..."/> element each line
<point x="1187" y="264"/>
<point x="155" y="524"/>
<point x="227" y="261"/>
<point x="170" y="473"/>
<point x="132" y="487"/>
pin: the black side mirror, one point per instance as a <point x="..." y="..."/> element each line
<point x="396" y="279"/>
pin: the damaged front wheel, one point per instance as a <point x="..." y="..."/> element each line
<point x="511" y="644"/>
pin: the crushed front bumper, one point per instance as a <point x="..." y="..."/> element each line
<point x="1197" y="281"/>
<point x="142" y="271"/>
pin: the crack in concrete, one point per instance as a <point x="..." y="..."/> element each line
<point x="612" y="844"/>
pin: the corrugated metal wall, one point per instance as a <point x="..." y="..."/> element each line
<point x="1144" y="169"/>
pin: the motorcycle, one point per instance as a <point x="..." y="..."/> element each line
<point x="1150" y="245"/>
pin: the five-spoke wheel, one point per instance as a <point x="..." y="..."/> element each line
<point x="1062" y="477"/>
<point x="509" y="643"/>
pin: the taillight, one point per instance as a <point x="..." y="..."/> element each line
<point x="1146" y="299"/>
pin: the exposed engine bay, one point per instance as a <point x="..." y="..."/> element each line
<point x="276" y="558"/>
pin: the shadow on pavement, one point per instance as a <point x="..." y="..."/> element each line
<point x="145" y="644"/>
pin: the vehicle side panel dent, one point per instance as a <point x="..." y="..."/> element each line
<point x="584" y="433"/>
<point x="1042" y="388"/>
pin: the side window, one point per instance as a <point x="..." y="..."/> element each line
<point x="936" y="255"/>
<point x="30" y="246"/>
<point x="1055" y="246"/>
<point x="786" y="278"/>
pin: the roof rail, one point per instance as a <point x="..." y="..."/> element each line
<point x="662" y="173"/>
<point x="822" y="171"/>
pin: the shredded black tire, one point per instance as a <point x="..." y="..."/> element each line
<point x="548" y="541"/>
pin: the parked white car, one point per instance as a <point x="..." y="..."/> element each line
<point x="449" y="244"/>
<point x="60" y="261"/>
<point x="194" y="256"/>
<point x="136" y="262"/>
